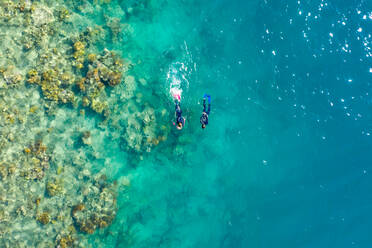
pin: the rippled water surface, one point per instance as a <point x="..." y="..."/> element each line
<point x="89" y="155"/>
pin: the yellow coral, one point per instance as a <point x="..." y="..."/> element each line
<point x="79" y="46"/>
<point x="115" y="78"/>
<point x="79" y="207"/>
<point x="92" y="57"/>
<point x="59" y="170"/>
<point x="17" y="78"/>
<point x="81" y="84"/>
<point x="98" y="106"/>
<point x="63" y="14"/>
<point x="50" y="75"/>
<point x="79" y="65"/>
<point x="85" y="101"/>
<point x="33" y="109"/>
<point x="65" y="76"/>
<point x="33" y="76"/>
<point x="54" y="188"/>
<point x="44" y="218"/>
<point x="66" y="241"/>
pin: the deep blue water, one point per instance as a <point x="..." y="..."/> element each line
<point x="286" y="159"/>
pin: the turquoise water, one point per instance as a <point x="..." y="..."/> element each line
<point x="285" y="157"/>
<point x="285" y="160"/>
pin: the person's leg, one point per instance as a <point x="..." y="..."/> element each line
<point x="203" y="104"/>
<point x="178" y="109"/>
<point x="209" y="108"/>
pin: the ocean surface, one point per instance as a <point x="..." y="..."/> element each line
<point x="285" y="160"/>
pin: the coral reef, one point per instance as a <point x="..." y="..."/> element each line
<point x="37" y="161"/>
<point x="54" y="187"/>
<point x="86" y="138"/>
<point x="103" y="70"/>
<point x="53" y="79"/>
<point x="38" y="187"/>
<point x="99" y="208"/>
<point x="65" y="241"/>
<point x="43" y="218"/>
<point x="10" y="76"/>
<point x="144" y="128"/>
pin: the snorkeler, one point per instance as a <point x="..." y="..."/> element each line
<point x="204" y="117"/>
<point x="180" y="121"/>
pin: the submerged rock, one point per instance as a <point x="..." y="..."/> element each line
<point x="41" y="15"/>
<point x="54" y="187"/>
<point x="86" y="138"/>
<point x="65" y="241"/>
<point x="43" y="218"/>
<point x="37" y="161"/>
<point x="97" y="211"/>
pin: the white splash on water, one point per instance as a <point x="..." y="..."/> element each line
<point x="178" y="75"/>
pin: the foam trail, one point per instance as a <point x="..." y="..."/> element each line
<point x="178" y="74"/>
<point x="175" y="80"/>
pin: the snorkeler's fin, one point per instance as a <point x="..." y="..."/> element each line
<point x="207" y="96"/>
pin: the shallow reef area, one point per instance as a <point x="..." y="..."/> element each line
<point x="61" y="93"/>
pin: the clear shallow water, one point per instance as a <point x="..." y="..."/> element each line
<point x="286" y="156"/>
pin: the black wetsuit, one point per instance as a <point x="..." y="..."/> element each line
<point x="179" y="118"/>
<point x="204" y="117"/>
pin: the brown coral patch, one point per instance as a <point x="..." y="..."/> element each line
<point x="43" y="218"/>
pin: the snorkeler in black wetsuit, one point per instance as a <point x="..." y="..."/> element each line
<point x="180" y="121"/>
<point x="205" y="114"/>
